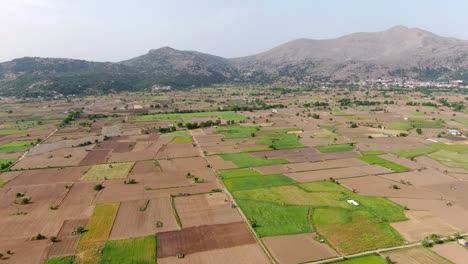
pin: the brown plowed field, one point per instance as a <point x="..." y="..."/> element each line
<point x="421" y="178"/>
<point x="206" y="209"/>
<point x="339" y="173"/>
<point x="309" y="166"/>
<point x="292" y="249"/>
<point x="402" y="161"/>
<point x="96" y="156"/>
<point x="33" y="177"/>
<point x="24" y="251"/>
<point x="219" y="163"/>
<point x="67" y="241"/>
<point x="79" y="202"/>
<point x="131" y="222"/>
<point x="177" y="151"/>
<point x="117" y="191"/>
<point x="421" y="224"/>
<point x="250" y="253"/>
<point x="378" y="186"/>
<point x="197" y="239"/>
<point x="54" y="158"/>
<point x="304" y="155"/>
<point x="453" y="252"/>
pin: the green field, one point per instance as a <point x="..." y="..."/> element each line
<point x="258" y="181"/>
<point x="335" y="148"/>
<point x="329" y="128"/>
<point x="243" y="160"/>
<point x="274" y="219"/>
<point x="5" y="162"/>
<point x="279" y="141"/>
<point x="403" y="125"/>
<point x="87" y="253"/>
<point x="140" y="250"/>
<point x="414" y="152"/>
<point x="452" y="155"/>
<point x="451" y="158"/>
<point x="60" y="260"/>
<point x="282" y="210"/>
<point x="224" y="115"/>
<point x="16" y="146"/>
<point x="100" y="224"/>
<point x="371" y="259"/>
<point x="236" y="131"/>
<point x="374" y="159"/>
<point x="182" y="140"/>
<point x="108" y="171"/>
<point x="4" y="132"/>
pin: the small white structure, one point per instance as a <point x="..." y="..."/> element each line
<point x="352" y="202"/>
<point x="274" y="111"/>
<point x="463" y="242"/>
<point x="454" y="132"/>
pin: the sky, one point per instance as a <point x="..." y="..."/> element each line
<point x="116" y="30"/>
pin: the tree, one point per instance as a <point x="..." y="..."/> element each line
<point x="98" y="187"/>
<point x="419" y="131"/>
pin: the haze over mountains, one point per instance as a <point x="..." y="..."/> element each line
<point x="398" y="52"/>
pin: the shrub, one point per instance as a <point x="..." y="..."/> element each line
<point x="39" y="237"/>
<point x="26" y="200"/>
<point x="427" y="243"/>
<point x="98" y="187"/>
<point x="53" y="239"/>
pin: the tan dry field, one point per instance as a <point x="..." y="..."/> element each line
<point x="300" y="248"/>
<point x="421" y="224"/>
<point x="67" y="241"/>
<point x="310" y="166"/>
<point x="55" y="158"/>
<point x="132" y="222"/>
<point x="421" y="178"/>
<point x="24" y="251"/>
<point x="197" y="166"/>
<point x="390" y="144"/>
<point x="250" y="253"/>
<point x="183" y="150"/>
<point x="44" y="148"/>
<point x="206" y="209"/>
<point x="204" y="238"/>
<point x="430" y="163"/>
<point x="79" y="202"/>
<point x="47" y="176"/>
<point x="339" y="173"/>
<point x="452" y="251"/>
<point x="378" y="186"/>
<point x="191" y="189"/>
<point x="453" y="215"/>
<point x="417" y="255"/>
<point x="118" y="191"/>
<point x="219" y="163"/>
<point x="39" y="218"/>
<point x="456" y="192"/>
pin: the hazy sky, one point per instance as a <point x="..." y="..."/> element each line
<point x="114" y="30"/>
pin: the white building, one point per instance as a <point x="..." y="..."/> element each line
<point x="352" y="202"/>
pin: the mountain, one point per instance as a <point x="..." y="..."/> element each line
<point x="399" y="52"/>
<point x="396" y="52"/>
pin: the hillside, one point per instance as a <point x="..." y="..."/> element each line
<point x="398" y="52"/>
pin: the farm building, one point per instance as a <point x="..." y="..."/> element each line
<point x="352" y="202"/>
<point x="454" y="132"/>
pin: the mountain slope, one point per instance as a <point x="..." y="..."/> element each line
<point x="398" y="52"/>
<point x="362" y="55"/>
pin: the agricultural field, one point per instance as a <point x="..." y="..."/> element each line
<point x="108" y="171"/>
<point x="166" y="177"/>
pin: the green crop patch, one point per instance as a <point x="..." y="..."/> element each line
<point x="414" y="152"/>
<point x="5" y="132"/>
<point x="403" y="125"/>
<point x="374" y="159"/>
<point x="335" y="148"/>
<point x="134" y="250"/>
<point x="258" y="181"/>
<point x="224" y="115"/>
<point x="424" y="123"/>
<point x="60" y="260"/>
<point x="451" y="158"/>
<point x="16" y="146"/>
<point x="243" y="160"/>
<point x="279" y="141"/>
<point x="237" y="131"/>
<point x="236" y="173"/>
<point x="182" y="140"/>
<point x="371" y="259"/>
<point x="272" y="219"/>
<point x="108" y="171"/>
<point x="100" y="224"/>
